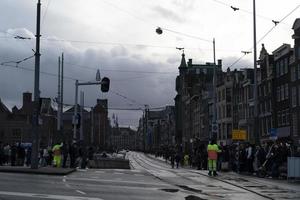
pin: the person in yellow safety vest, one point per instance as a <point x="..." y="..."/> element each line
<point x="212" y="151"/>
<point x="186" y="159"/>
<point x="57" y="154"/>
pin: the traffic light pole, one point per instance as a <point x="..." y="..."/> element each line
<point x="76" y="103"/>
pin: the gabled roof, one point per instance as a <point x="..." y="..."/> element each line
<point x="3" y="108"/>
<point x="296" y="24"/>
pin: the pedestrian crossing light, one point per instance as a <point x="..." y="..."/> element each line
<point x="105" y="84"/>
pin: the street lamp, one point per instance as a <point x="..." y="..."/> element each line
<point x="255" y="128"/>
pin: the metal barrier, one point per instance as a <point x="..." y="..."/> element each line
<point x="293" y="167"/>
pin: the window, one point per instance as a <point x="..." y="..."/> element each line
<point x="298" y="69"/>
<point x="299" y="95"/>
<point x="281" y="92"/>
<point x="228" y="111"/>
<point x="279" y="119"/>
<point x="286" y="91"/>
<point x="278" y="94"/>
<point x="294" y="96"/>
<point x="283" y="118"/>
<point x="293" y="73"/>
<point x="277" y="69"/>
<point x="286" y="65"/>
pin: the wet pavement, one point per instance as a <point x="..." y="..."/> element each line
<point x="148" y="179"/>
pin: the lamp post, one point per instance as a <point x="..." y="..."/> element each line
<point x="35" y="124"/>
<point x="255" y="126"/>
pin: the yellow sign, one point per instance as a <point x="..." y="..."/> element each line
<point x="238" y="134"/>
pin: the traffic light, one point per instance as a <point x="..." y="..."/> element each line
<point x="105" y="84"/>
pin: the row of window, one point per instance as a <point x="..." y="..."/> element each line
<point x="283" y="118"/>
<point x="264" y="90"/>
<point x="282" y="92"/>
<point x="295" y="100"/>
<point x="295" y="72"/>
<point x="282" y="67"/>
<point x="266" y="125"/>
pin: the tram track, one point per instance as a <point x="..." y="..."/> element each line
<point x="146" y="162"/>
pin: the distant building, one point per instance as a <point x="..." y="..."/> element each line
<point x="295" y="85"/>
<point x="123" y="138"/>
<point x="282" y="78"/>
<point x="193" y="102"/>
<point x="16" y="126"/>
<point x="266" y="102"/>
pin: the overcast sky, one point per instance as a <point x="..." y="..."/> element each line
<point x="118" y="37"/>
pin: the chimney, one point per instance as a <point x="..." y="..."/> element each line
<point x="102" y="102"/>
<point x="27" y="98"/>
<point x="190" y="62"/>
<point x="220" y="62"/>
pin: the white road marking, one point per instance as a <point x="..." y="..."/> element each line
<point x="100" y="172"/>
<point x="80" y="192"/>
<point x="47" y="196"/>
<point x="112" y="181"/>
<point x="138" y="175"/>
<point x="67" y="185"/>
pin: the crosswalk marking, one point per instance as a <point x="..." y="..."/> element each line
<point x="47" y="196"/>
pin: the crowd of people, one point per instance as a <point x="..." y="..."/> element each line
<point x="268" y="159"/>
<point x="59" y="155"/>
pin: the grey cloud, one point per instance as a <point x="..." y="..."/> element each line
<point x="184" y="4"/>
<point x="243" y="63"/>
<point x="169" y="14"/>
<point x="173" y="60"/>
<point x="152" y="89"/>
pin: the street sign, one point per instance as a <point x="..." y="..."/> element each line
<point x="214" y="127"/>
<point x="273" y="134"/>
<point x="238" y="134"/>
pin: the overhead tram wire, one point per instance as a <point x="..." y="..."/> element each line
<point x="116" y="70"/>
<point x="42" y="72"/>
<point x="266" y="34"/>
<point x="243" y="10"/>
<point x="45" y="13"/>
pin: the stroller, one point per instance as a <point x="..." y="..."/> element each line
<point x="265" y="168"/>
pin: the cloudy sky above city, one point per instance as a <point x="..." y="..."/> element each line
<point x="118" y="37"/>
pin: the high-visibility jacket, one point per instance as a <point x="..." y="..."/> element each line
<point x="212" y="151"/>
<point x="57" y="149"/>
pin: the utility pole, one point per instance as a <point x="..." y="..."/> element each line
<point x="58" y="99"/>
<point x="92" y="125"/>
<point x="75" y="111"/>
<point x="35" y="124"/>
<point x="255" y="124"/>
<point x="81" y="114"/>
<point x="62" y="98"/>
<point x="214" y="121"/>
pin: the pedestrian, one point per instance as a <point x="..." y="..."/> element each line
<point x="249" y="162"/>
<point x="186" y="159"/>
<point x="6" y="151"/>
<point x="212" y="151"/>
<point x="1" y="154"/>
<point x="13" y="155"/>
<point x="28" y="156"/>
<point x="177" y="159"/>
<point x="172" y="159"/>
<point x="57" y="154"/>
<point x="65" y="153"/>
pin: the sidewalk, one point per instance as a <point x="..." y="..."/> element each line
<point x="283" y="182"/>
<point x="41" y="170"/>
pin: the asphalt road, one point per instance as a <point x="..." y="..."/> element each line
<point x="149" y="179"/>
